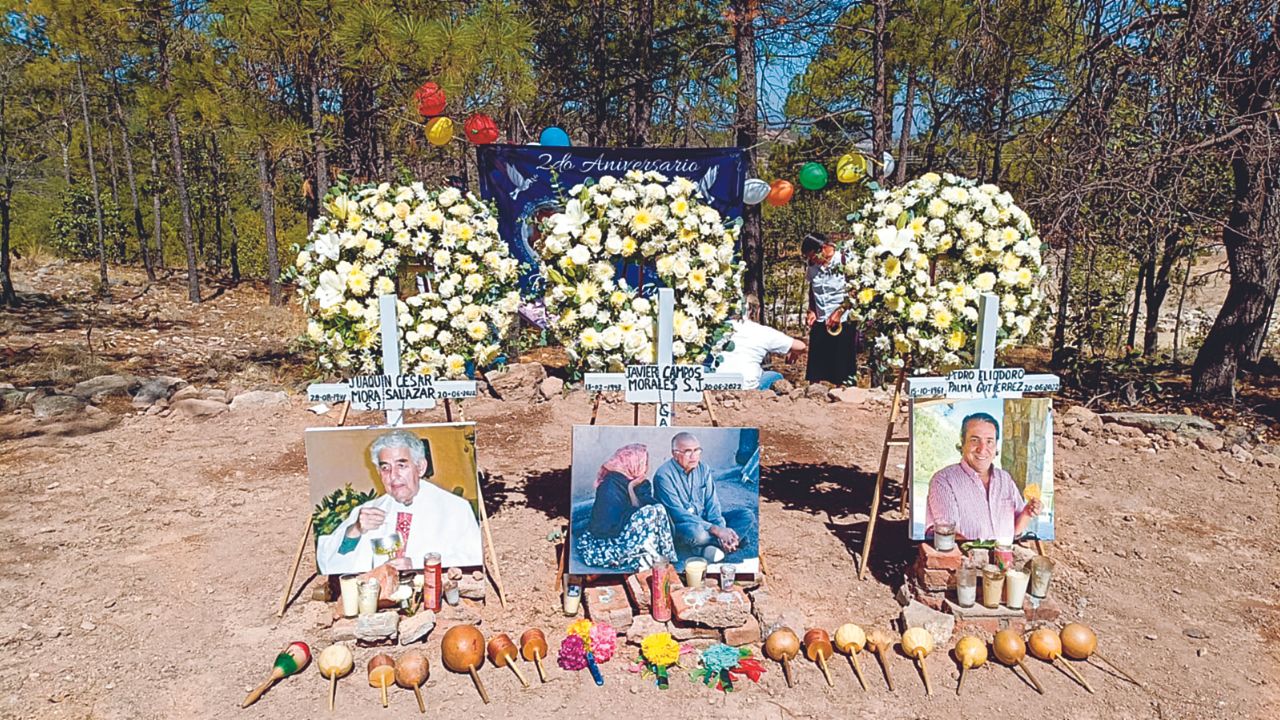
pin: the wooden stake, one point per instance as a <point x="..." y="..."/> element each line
<point x="384" y="695"/>
<point x="562" y="560"/>
<point x="422" y="705"/>
<point x="448" y="410"/>
<point x="635" y="414"/>
<point x="709" y="403"/>
<point x="822" y="664"/>
<point x="786" y="671"/>
<point x="346" y="408"/>
<point x="1115" y="667"/>
<point x="333" y="689"/>
<point x="1072" y="672"/>
<point x="924" y="673"/>
<point x="961" y="683"/>
<point x="595" y="409"/>
<point x="293" y="574"/>
<point x="879" y="489"/>
<point x="252" y="697"/>
<point x="475" y="678"/>
<point x="537" y="662"/>
<point x="884" y="667"/>
<point x="857" y="670"/>
<point x="495" y="574"/>
<point x="1032" y="678"/>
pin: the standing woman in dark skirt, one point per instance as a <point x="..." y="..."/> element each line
<point x="833" y="344"/>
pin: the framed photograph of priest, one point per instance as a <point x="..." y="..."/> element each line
<point x="393" y="495"/>
<point x="642" y="493"/>
<point x="984" y="466"/>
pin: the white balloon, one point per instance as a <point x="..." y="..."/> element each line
<point x="888" y="163"/>
<point x="755" y="191"/>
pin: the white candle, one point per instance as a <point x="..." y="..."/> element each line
<point x="1015" y="587"/>
<point x="694" y="569"/>
<point x="350" y="595"/>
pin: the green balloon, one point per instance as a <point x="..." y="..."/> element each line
<point x="813" y="176"/>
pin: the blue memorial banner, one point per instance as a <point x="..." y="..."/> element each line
<point x="529" y="183"/>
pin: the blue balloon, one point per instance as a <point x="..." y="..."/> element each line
<point x="554" y="136"/>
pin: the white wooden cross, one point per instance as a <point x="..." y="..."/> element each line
<point x="984" y="380"/>
<point x="391" y="392"/>
<point x="665" y="383"/>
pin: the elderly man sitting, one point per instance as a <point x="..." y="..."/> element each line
<point x="687" y="488"/>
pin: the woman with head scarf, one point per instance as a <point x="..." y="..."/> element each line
<point x="628" y="529"/>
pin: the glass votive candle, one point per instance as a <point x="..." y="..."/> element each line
<point x="694" y="570"/>
<point x="992" y="586"/>
<point x="1041" y="574"/>
<point x="350" y="587"/>
<point x="966" y="585"/>
<point x="728" y="573"/>
<point x="1015" y="586"/>
<point x="944" y="536"/>
<point x="1002" y="555"/>
<point x="369" y="592"/>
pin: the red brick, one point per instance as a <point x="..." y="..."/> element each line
<point x="934" y="560"/>
<point x="747" y="634"/>
<point x="686" y="631"/>
<point x="638" y="590"/>
<point x="936" y="580"/>
<point x="608" y="604"/>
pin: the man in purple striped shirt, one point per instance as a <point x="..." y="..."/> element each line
<point x="982" y="500"/>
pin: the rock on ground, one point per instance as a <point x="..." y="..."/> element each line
<point x="196" y="408"/>
<point x="259" y="399"/>
<point x="104" y="386"/>
<point x="56" y="405"/>
<point x="520" y="381"/>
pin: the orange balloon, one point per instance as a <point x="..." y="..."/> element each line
<point x="780" y="192"/>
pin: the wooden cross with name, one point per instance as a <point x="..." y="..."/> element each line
<point x="665" y="383"/>
<point x="391" y="392"/>
<point x="983" y="381"/>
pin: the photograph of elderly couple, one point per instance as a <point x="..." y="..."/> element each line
<point x="393" y="495"/>
<point x="985" y="466"/>
<point x="644" y="493"/>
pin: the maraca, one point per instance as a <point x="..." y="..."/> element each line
<point x="533" y="646"/>
<point x="817" y="647"/>
<point x="782" y="645"/>
<point x="849" y="640"/>
<point x="382" y="672"/>
<point x="1079" y="643"/>
<point x="502" y="653"/>
<point x="972" y="653"/>
<point x="1010" y="649"/>
<point x="1046" y="646"/>
<point x="334" y="662"/>
<point x="290" y="660"/>
<point x="917" y="642"/>
<point x="413" y="669"/>
<point x="880" y="642"/>
<point x="462" y="650"/>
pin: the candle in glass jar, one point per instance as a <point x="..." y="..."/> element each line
<point x="992" y="586"/>
<point x="944" y="537"/>
<point x="451" y="592"/>
<point x="1002" y="555"/>
<point x="694" y="570"/>
<point x="431" y="582"/>
<point x="660" y="591"/>
<point x="1041" y="573"/>
<point x="1015" y="586"/>
<point x="967" y="586"/>
<point x="728" y="574"/>
<point x="369" y="591"/>
<point x="350" y="587"/>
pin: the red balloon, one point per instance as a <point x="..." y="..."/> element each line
<point x="481" y="129"/>
<point x="780" y="192"/>
<point x="430" y="99"/>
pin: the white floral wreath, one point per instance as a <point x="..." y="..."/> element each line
<point x="630" y="223"/>
<point x="921" y="255"/>
<point x="371" y="238"/>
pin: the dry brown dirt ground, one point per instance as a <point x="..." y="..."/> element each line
<point x="143" y="563"/>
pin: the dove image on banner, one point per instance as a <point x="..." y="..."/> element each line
<point x="529" y="183"/>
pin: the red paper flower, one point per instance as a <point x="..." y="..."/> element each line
<point x="430" y="99"/>
<point x="481" y="129"/>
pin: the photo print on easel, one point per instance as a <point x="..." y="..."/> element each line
<point x="1011" y="436"/>
<point x="394" y="494"/>
<point x="638" y="493"/>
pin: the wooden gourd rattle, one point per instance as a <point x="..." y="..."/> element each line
<point x="880" y="642"/>
<point x="1045" y="645"/>
<point x="334" y="662"/>
<point x="382" y="673"/>
<point x="533" y="647"/>
<point x="918" y="643"/>
<point x="849" y="640"/>
<point x="972" y="653"/>
<point x="1009" y="649"/>
<point x="413" y="669"/>
<point x="462" y="650"/>
<point x="1080" y="643"/>
<point x="782" y="645"/>
<point x="817" y="647"/>
<point x="289" y="662"/>
<point x="502" y="653"/>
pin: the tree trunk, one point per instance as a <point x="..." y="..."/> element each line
<point x="1002" y="121"/>
<point x="93" y="180"/>
<point x="1137" y="307"/>
<point x="1182" y="300"/>
<point x="8" y="297"/>
<point x="880" y="72"/>
<point x="641" y="88"/>
<point x="904" y="139"/>
<point x="233" y="251"/>
<point x="1252" y="239"/>
<point x="184" y="202"/>
<point x="113" y="174"/>
<point x="219" y="198"/>
<point x="156" y="213"/>
<point x="746" y="122"/>
<point x="266" y="183"/>
<point x="601" y="78"/>
<point x="1064" y="297"/>
<point x="133" y="189"/>
<point x="321" y="153"/>
<point x="64" y="142"/>
<point x="360" y="128"/>
<point x="1157" y="289"/>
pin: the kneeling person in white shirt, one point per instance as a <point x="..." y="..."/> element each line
<point x="752" y="343"/>
<point x="427" y="518"/>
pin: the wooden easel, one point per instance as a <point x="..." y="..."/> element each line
<point x="890" y="441"/>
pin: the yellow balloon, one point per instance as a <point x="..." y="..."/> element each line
<point x="440" y="131"/>
<point x="850" y="167"/>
